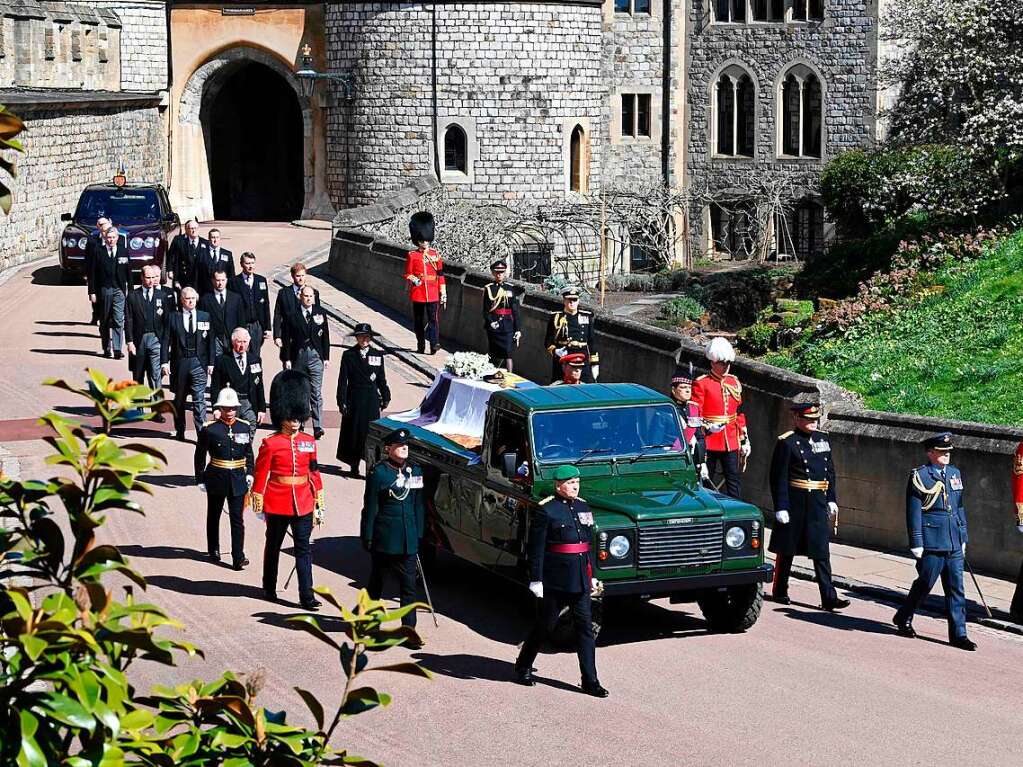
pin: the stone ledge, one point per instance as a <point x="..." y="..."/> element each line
<point x="71" y="99"/>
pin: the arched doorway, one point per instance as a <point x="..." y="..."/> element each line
<point x="253" y="130"/>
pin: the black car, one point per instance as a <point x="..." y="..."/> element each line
<point x="142" y="213"/>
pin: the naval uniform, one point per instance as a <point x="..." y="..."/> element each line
<point x="501" y="321"/>
<point x="803" y="483"/>
<point x="570" y="333"/>
<point x="936" y="522"/>
<point x="559" y="555"/>
<point x="362" y="392"/>
<point x="229" y="447"/>
<point x="393" y="519"/>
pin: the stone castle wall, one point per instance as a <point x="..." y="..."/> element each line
<point x="144" y="43"/>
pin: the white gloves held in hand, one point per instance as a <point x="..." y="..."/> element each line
<point x="782" y="517"/>
<point x="248" y="481"/>
<point x="202" y="487"/>
<point x="832" y="509"/>
<point x="559" y="353"/>
<point x="917" y="552"/>
<point x="537" y="588"/>
<point x="745" y="448"/>
<point x="704" y="472"/>
<point x="712" y="428"/>
<point x="595" y="369"/>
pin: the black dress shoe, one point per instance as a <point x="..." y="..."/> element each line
<point x="159" y="418"/>
<point x="239" y="564"/>
<point x="781" y="599"/>
<point x="420" y="349"/>
<point x="317" y="433"/>
<point x="524" y="676"/>
<point x="905" y="628"/>
<point x="179" y="436"/>
<point x="311" y="604"/>
<point x="838" y="604"/>
<point x="215" y="556"/>
<point x="433" y="348"/>
<point x="118" y="356"/>
<point x="270" y="596"/>
<point x="964" y="643"/>
<point x="594" y="689"/>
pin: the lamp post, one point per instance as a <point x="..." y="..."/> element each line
<point x="308" y="77"/>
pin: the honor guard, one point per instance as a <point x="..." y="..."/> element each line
<point x="362" y="392"/>
<point x="571" y="331"/>
<point x="719" y="398"/>
<point x="689" y="413"/>
<point x="561" y="576"/>
<point x="571" y="369"/>
<point x="936" y="522"/>
<point x="424" y="273"/>
<point x="805" y="504"/>
<point x="393" y="519"/>
<point x="228" y="476"/>
<point x="1016" y="608"/>
<point x="288" y="488"/>
<point x="501" y="317"/>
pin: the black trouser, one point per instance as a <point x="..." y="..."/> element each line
<point x="190" y="377"/>
<point x="728" y="460"/>
<point x="215" y="505"/>
<point x="547" y="616"/>
<point x="426" y="322"/>
<point x="821" y="568"/>
<point x="301" y="529"/>
<point x="403" y="566"/>
<point x="1016" y="608"/>
<point x="255" y="337"/>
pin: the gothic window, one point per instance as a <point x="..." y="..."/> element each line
<point x="799" y="231"/>
<point x="632" y="7"/>
<point x="807" y="10"/>
<point x="455" y="150"/>
<point x="734" y="229"/>
<point x="769" y="10"/>
<point x="734" y="113"/>
<point x="636" y="115"/>
<point x="802" y="108"/>
<point x="578" y="161"/>
<point x="729" y="10"/>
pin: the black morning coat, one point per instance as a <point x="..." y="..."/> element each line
<point x="255" y="300"/>
<point x="198" y="344"/>
<point x="225" y="443"/>
<point x="183" y="260"/>
<point x="224" y="318"/>
<point x="110" y="272"/>
<point x="140" y="314"/>
<point x="226" y="373"/>
<point x="287" y="302"/>
<point x="361" y="394"/>
<point x="557" y="520"/>
<point x="298" y="333"/>
<point x="209" y="263"/>
<point x="801" y="456"/>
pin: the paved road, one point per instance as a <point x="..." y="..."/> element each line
<point x="802" y="687"/>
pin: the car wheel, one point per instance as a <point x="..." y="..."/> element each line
<point x="732" y="610"/>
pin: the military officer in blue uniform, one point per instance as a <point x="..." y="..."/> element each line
<point x="936" y="522"/>
<point x="500" y="317"/>
<point x="561" y="575"/>
<point x="803" y="488"/>
<point x="228" y="476"/>
<point x="393" y="518"/>
<point x="571" y="331"/>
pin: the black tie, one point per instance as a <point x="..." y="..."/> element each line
<point x="191" y="323"/>
<point x="149" y="295"/>
<point x="241" y="363"/>
<point x="220" y="298"/>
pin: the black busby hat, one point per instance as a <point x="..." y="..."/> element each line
<point x="684" y="374"/>
<point x="289" y="397"/>
<point x="941" y="441"/>
<point x="421" y="226"/>
<point x="397" y="437"/>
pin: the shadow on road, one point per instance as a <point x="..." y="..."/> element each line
<point x="64" y="324"/>
<point x="205" y="588"/>
<point x="48" y="275"/>
<point x="64" y="334"/>
<point x="633" y="621"/>
<point x="163" y="552"/>
<point x="65" y="352"/>
<point x="168" y="480"/>
<point x="471" y="667"/>
<point x="838" y="620"/>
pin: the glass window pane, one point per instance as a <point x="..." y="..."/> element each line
<point x="738" y="10"/>
<point x="746" y="118"/>
<point x="621" y="6"/>
<point x="726" y="106"/>
<point x="812" y="118"/>
<point x="643" y="115"/>
<point x="816" y="9"/>
<point x="641" y="6"/>
<point x="790" y="117"/>
<point x="628" y="114"/>
<point x="575" y="181"/>
<point x="455" y="149"/>
<point x="603" y="433"/>
<point x="721" y="10"/>
<point x="760" y="10"/>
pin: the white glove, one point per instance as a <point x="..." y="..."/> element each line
<point x="964" y="549"/>
<point x="832" y="509"/>
<point x="517" y="336"/>
<point x="318" y="517"/>
<point x="559" y="353"/>
<point x="202" y="487"/>
<point x="713" y="428"/>
<point x="594" y="584"/>
<point x="917" y="552"/>
<point x="746" y="448"/>
<point x="595" y="369"/>
<point x="1020" y="528"/>
<point x="495" y="325"/>
<point x="537" y="588"/>
<point x="704" y="472"/>
<point x="248" y="481"/>
<point x="782" y="517"/>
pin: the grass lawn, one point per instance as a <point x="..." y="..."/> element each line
<point x="954" y="354"/>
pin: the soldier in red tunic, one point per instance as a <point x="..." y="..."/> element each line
<point x="424" y="271"/>
<point x="719" y="399"/>
<point x="1016" y="609"/>
<point x="287" y="487"/>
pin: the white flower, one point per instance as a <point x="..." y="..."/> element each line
<point x="469" y="365"/>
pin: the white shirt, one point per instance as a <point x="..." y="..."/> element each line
<point x="240" y="360"/>
<point x="194" y="243"/>
<point x="186" y="315"/>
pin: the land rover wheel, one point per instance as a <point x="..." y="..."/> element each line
<point x="732" y="610"/>
<point x="564" y="631"/>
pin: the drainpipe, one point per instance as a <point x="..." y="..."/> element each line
<point x="666" y="122"/>
<point x="433" y="84"/>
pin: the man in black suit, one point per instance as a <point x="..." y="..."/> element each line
<point x="255" y="294"/>
<point x="288" y="301"/>
<point x="184" y="255"/>
<point x="191" y="359"/>
<point x="146" y="326"/>
<point x="216" y="259"/>
<point x="111" y="275"/>
<point x="94" y="243"/>
<point x="226" y="313"/>
<point x="241" y="370"/>
<point x="306" y="348"/>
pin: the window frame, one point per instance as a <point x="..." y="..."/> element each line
<point x="735" y="72"/>
<point x="467" y="125"/>
<point x="631" y="9"/>
<point x="802" y="73"/>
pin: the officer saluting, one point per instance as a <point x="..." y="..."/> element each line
<point x="393" y="519"/>
<point x="228" y="477"/>
<point x="569" y="331"/>
<point x="805" y="503"/>
<point x="560" y="575"/>
<point x="500" y="317"/>
<point x="936" y="522"/>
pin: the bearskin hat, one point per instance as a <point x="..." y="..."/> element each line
<point x="289" y="397"/>
<point x="421" y="227"/>
<point x="720" y="350"/>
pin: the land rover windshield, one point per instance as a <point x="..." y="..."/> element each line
<point x="634" y="431"/>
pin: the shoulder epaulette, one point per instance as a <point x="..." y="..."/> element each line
<point x="701" y="377"/>
<point x="785" y="435"/>
<point x="242" y="420"/>
<point x="545" y="500"/>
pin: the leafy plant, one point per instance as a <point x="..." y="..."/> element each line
<point x="67" y="644"/>
<point x="756" y="339"/>
<point x="10" y="126"/>
<point x="680" y="310"/>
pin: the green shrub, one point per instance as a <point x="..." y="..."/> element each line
<point x="680" y="310"/>
<point x="756" y="339"/>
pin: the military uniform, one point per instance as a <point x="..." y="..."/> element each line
<point x="559" y="555"/>
<point x="569" y="333"/>
<point x="1016" y="608"/>
<point x="719" y="400"/>
<point x="803" y="485"/>
<point x="936" y="523"/>
<point x="424" y="274"/>
<point x="362" y="392"/>
<point x="500" y="318"/>
<point x="229" y="447"/>
<point x="393" y="519"/>
<point x="692" y="421"/>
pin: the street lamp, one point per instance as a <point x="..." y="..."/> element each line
<point x="307" y="77"/>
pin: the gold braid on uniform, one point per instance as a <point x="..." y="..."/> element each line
<point x="257" y="503"/>
<point x="930" y="494"/>
<point x="735" y="392"/>
<point x="1017" y="465"/>
<point x="1019" y="512"/>
<point x="321" y="499"/>
<point x="498" y="299"/>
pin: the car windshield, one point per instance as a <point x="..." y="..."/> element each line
<point x="122" y="206"/>
<point x="601" y="433"/>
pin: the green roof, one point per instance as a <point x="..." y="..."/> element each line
<point x="581" y="395"/>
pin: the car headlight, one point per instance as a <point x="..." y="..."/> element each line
<point x="150" y="242"/>
<point x="63" y="242"/>
<point x="619" y="547"/>
<point x="735" y="537"/>
<point x="135" y="243"/>
<point x="82" y="242"/>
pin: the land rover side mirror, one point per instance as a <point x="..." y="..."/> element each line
<point x="509" y="464"/>
<point x="65" y="216"/>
